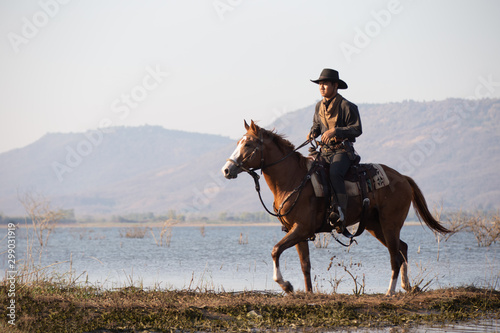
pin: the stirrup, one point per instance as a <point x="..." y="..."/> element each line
<point x="337" y="220"/>
<point x="333" y="218"/>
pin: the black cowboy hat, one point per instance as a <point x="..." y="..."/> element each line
<point x="332" y="75"/>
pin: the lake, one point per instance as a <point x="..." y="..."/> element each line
<point x="236" y="258"/>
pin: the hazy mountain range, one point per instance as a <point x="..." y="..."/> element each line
<point x="451" y="148"/>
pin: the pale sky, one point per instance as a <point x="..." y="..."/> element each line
<point x="204" y="66"/>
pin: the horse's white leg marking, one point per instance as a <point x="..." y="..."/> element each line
<point x="277" y="277"/>
<point x="405" y="281"/>
<point x="392" y="287"/>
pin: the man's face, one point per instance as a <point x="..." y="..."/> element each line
<point x="328" y="89"/>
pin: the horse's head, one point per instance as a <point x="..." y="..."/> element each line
<point x="248" y="153"/>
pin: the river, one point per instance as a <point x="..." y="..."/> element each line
<point x="235" y="258"/>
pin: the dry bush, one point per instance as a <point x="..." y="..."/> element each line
<point x="134" y="232"/>
<point x="41" y="221"/>
<point x="359" y="286"/>
<point x="322" y="240"/>
<point x="43" y="218"/>
<point x="458" y="221"/>
<point x="484" y="226"/>
<point x="165" y="233"/>
<point x="422" y="280"/>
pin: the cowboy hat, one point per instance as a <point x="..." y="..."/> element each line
<point x="328" y="74"/>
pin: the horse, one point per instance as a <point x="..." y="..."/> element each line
<point x="284" y="170"/>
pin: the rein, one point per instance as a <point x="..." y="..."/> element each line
<point x="298" y="189"/>
<point x="256" y="177"/>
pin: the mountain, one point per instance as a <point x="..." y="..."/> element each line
<point x="124" y="169"/>
<point x="451" y="148"/>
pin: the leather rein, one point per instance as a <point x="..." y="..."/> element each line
<point x="256" y="177"/>
<point x="298" y="189"/>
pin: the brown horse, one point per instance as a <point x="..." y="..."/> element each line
<point x="286" y="170"/>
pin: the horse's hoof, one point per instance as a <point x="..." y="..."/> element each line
<point x="414" y="290"/>
<point x="287" y="287"/>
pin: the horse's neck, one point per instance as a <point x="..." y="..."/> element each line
<point x="285" y="175"/>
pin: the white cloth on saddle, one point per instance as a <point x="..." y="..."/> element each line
<point x="352" y="188"/>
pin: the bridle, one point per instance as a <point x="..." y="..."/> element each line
<point x="262" y="166"/>
<point x="240" y="164"/>
<point x="256" y="177"/>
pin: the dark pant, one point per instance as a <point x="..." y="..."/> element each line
<point x="339" y="165"/>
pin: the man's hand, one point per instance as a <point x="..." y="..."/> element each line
<point x="329" y="135"/>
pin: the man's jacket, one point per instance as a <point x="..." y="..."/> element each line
<point x="339" y="113"/>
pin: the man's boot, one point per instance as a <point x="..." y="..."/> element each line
<point x="340" y="224"/>
<point x="334" y="216"/>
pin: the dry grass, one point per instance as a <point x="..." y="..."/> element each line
<point x="165" y="233"/>
<point x="322" y="240"/>
<point x="134" y="232"/>
<point x="40" y="222"/>
<point x="47" y="308"/>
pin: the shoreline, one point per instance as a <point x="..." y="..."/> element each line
<point x="193" y="224"/>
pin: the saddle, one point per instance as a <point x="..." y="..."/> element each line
<point x="361" y="179"/>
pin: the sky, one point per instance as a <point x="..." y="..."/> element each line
<point x="205" y="65"/>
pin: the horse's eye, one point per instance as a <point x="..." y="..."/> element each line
<point x="247" y="145"/>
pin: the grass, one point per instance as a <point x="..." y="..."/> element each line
<point x="47" y="307"/>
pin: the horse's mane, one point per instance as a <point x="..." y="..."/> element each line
<point x="284" y="145"/>
<point x="279" y="139"/>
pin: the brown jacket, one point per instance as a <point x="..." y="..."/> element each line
<point x="348" y="122"/>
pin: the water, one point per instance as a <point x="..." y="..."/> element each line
<point x="475" y="326"/>
<point x="236" y="258"/>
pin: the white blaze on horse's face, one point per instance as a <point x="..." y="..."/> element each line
<point x="231" y="170"/>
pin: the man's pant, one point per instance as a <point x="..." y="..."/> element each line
<point x="339" y="165"/>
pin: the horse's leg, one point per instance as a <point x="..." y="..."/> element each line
<point x="305" y="263"/>
<point x="405" y="281"/>
<point x="293" y="237"/>
<point x="397" y="251"/>
<point x="392" y="241"/>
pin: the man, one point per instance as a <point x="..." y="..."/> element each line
<point x="337" y="121"/>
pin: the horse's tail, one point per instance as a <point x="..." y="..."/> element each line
<point x="422" y="210"/>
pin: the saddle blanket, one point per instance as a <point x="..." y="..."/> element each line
<point x="379" y="180"/>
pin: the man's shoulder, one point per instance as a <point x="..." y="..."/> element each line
<point x="316" y="108"/>
<point x="348" y="104"/>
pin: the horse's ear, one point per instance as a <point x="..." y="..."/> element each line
<point x="254" y="127"/>
<point x="246" y="125"/>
